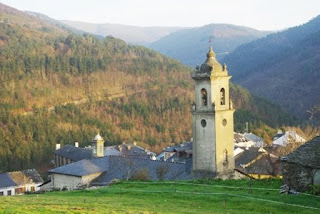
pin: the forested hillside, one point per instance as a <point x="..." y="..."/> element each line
<point x="188" y="45"/>
<point x="283" y="67"/>
<point x="58" y="87"/>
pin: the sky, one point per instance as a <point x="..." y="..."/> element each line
<point x="258" y="14"/>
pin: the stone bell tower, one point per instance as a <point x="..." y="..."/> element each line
<point x="212" y="120"/>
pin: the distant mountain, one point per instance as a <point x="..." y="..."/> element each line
<point x="188" y="45"/>
<point x="31" y="25"/>
<point x="60" y="24"/>
<point x="283" y="67"/>
<point x="128" y="33"/>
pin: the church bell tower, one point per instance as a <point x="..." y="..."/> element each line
<point x="212" y="120"/>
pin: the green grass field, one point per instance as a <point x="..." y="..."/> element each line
<point x="206" y="196"/>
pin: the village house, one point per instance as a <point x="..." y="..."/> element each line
<point x="178" y="153"/>
<point x="129" y="150"/>
<point x="257" y="162"/>
<point x="257" y="141"/>
<point x="69" y="153"/>
<point x="301" y="168"/>
<point x="283" y="139"/>
<point x="19" y="182"/>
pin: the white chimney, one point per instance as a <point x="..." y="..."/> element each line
<point x="120" y="148"/>
<point x="76" y="144"/>
<point x="57" y="146"/>
<point x="279" y="131"/>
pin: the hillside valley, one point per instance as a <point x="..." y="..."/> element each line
<point x="43" y="66"/>
<point x="283" y="67"/>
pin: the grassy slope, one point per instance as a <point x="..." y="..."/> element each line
<point x="192" y="197"/>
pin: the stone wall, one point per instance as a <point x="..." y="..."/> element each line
<point x="297" y="177"/>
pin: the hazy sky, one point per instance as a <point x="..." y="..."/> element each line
<point x="259" y="14"/>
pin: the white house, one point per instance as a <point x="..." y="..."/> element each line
<point x="247" y="140"/>
<point x="283" y="139"/>
<point x="19" y="182"/>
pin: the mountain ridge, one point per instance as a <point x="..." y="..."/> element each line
<point x="130" y="33"/>
<point x="187" y="45"/>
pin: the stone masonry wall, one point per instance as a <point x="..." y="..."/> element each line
<point x="297" y="177"/>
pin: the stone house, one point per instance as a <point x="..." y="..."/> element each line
<point x="301" y="168"/>
<point x="19" y="182"/>
<point x="101" y="171"/>
<point x="69" y="154"/>
<point x="77" y="174"/>
<point x="257" y="162"/>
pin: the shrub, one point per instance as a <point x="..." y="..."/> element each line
<point x="141" y="175"/>
<point x="315" y="189"/>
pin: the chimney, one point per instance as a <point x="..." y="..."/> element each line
<point x="76" y="144"/>
<point x="57" y="146"/>
<point x="279" y="131"/>
<point x="134" y="143"/>
<point x="120" y="148"/>
<point x="129" y="147"/>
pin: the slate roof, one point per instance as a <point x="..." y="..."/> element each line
<point x="111" y="150"/>
<point x="33" y="175"/>
<point x="123" y="167"/>
<point x="6" y="181"/>
<point x="20" y="178"/>
<point x="179" y="148"/>
<point x="25" y="177"/>
<point x="264" y="166"/>
<point x="252" y="137"/>
<point x="306" y="155"/>
<point x="247" y="156"/>
<point x="127" y="150"/>
<point x="277" y="136"/>
<point x="74" y="153"/>
<point x="83" y="167"/>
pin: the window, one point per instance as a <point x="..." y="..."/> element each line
<point x="1" y="193"/>
<point x="204" y="97"/>
<point x="203" y="123"/>
<point x="222" y="97"/>
<point x="224" y="122"/>
<point x="9" y="192"/>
